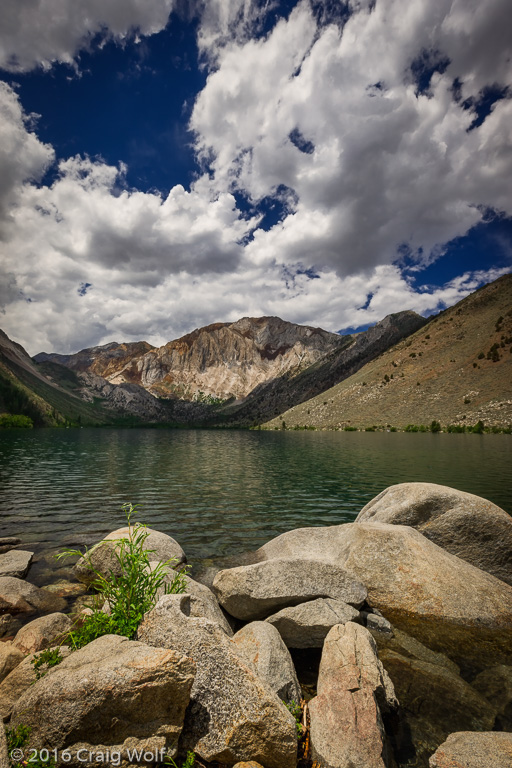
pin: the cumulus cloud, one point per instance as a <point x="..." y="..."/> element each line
<point x="40" y="32"/>
<point x="394" y="168"/>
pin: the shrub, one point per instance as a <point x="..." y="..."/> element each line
<point x="13" y="421"/>
<point x="129" y="594"/>
<point x="435" y="426"/>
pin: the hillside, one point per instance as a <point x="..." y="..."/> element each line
<point x="220" y="361"/>
<point x="457" y="369"/>
<point x="277" y="395"/>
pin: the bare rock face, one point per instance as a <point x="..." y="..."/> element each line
<point x="18" y="596"/>
<point x="232" y="716"/>
<point x="102" y="556"/>
<point x="255" y="591"/>
<point x="262" y="649"/>
<point x="435" y="702"/>
<point x="308" y="624"/>
<point x="10" y="657"/>
<point x="474" y="750"/>
<point x="16" y="563"/>
<point x="42" y="633"/>
<point x="468" y="526"/>
<point x="441" y="600"/>
<point x="353" y="688"/>
<point x="114" y="694"/>
<point x="495" y="684"/>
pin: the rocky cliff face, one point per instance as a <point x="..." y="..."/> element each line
<point x="222" y="360"/>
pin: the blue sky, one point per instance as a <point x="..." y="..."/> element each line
<point x="166" y="164"/>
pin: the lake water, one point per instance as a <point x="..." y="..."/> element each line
<point x="221" y="492"/>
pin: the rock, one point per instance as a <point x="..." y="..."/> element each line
<point x="250" y="764"/>
<point x="42" y="633"/>
<point x="376" y="622"/>
<point x="18" y="596"/>
<point x="203" y="603"/>
<point x="261" y="647"/>
<point x="114" y="694"/>
<point x="4" y="757"/>
<point x="16" y="563"/>
<point x="9" y="625"/>
<point x="233" y="716"/>
<point x="256" y="591"/>
<point x="468" y="526"/>
<point x="307" y="625"/>
<point x="474" y="750"/>
<point x="353" y="688"/>
<point x="103" y="559"/>
<point x="8" y="542"/>
<point x="435" y="702"/>
<point x="17" y="682"/>
<point x="446" y="603"/>
<point x="10" y="657"/>
<point x="411" y="648"/>
<point x="64" y="588"/>
<point x="495" y="684"/>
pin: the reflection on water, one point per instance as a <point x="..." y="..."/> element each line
<point x="219" y="492"/>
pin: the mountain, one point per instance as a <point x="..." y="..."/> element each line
<point x="220" y="361"/>
<point x="457" y="369"/>
<point x="296" y="386"/>
<point x="52" y="395"/>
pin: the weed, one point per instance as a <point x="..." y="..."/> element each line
<point x="190" y="761"/>
<point x="129" y="594"/>
<point x="17" y="738"/>
<point x="296" y="711"/>
<point x="48" y="658"/>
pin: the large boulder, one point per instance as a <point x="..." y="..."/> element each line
<point x="495" y="684"/>
<point x="4" y="756"/>
<point x="16" y="563"/>
<point x="262" y="649"/>
<point x="43" y="632"/>
<point x="18" y="681"/>
<point x="114" y="694"/>
<point x="202" y="604"/>
<point x="346" y="728"/>
<point x="18" y="596"/>
<point x="233" y="716"/>
<point x="434" y="702"/>
<point x="10" y="657"/>
<point x="307" y="625"/>
<point x="468" y="526"/>
<point x="474" y="750"/>
<point x="255" y="591"/>
<point x="103" y="560"/>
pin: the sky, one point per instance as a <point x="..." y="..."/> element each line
<point x="165" y="164"/>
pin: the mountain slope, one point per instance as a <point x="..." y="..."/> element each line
<point x="456" y="369"/>
<point x="274" y="397"/>
<point x="222" y="360"/>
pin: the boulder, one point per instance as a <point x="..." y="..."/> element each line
<point x="346" y="728"/>
<point x="375" y="622"/>
<point x="250" y="764"/>
<point x="233" y="716"/>
<point x="104" y="561"/>
<point x="446" y="603"/>
<point x="474" y="750"/>
<point x="495" y="684"/>
<point x="435" y="702"/>
<point x="42" y="633"/>
<point x="9" y="625"/>
<point x="307" y="625"/>
<point x="16" y="563"/>
<point x="203" y="603"/>
<point x="10" y="657"/>
<point x="255" y="591"/>
<point x="18" y="596"/>
<point x="468" y="526"/>
<point x="8" y="542"/>
<point x="17" y="682"/>
<point x="411" y="648"/>
<point x="262" y="649"/>
<point x="114" y="694"/>
<point x="4" y="757"/>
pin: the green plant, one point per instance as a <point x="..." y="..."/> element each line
<point x="17" y="739"/>
<point x="296" y="711"/>
<point x="48" y="658"/>
<point x="131" y="592"/>
<point x="435" y="426"/>
<point x="190" y="761"/>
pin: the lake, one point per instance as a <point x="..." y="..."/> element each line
<point x="217" y="491"/>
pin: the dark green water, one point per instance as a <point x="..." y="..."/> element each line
<point x="219" y="492"/>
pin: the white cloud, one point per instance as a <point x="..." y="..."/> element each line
<point x="39" y="32"/>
